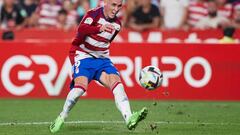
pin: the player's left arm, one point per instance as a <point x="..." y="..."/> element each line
<point x="117" y="30"/>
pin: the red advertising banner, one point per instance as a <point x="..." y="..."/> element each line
<point x="191" y="72"/>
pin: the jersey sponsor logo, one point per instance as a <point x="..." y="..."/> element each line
<point x="108" y="34"/>
<point x="116" y="26"/>
<point x="88" y="20"/>
<point x="111" y="30"/>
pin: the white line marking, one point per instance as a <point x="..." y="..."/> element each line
<point x="117" y="122"/>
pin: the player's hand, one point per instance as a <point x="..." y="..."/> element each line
<point x="107" y="28"/>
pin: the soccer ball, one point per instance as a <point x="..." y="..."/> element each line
<point x="150" y="77"/>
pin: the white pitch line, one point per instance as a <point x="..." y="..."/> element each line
<point x="116" y="122"/>
<point x="67" y="122"/>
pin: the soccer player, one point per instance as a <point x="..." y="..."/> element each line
<point x="89" y="56"/>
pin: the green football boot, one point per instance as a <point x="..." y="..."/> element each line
<point x="56" y="125"/>
<point x="137" y="117"/>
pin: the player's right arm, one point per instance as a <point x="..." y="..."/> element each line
<point x="89" y="26"/>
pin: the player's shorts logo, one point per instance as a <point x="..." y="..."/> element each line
<point x="77" y="64"/>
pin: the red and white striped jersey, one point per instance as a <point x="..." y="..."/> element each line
<point x="225" y="11"/>
<point x="196" y="11"/>
<point x="48" y="13"/>
<point x="236" y="6"/>
<point x="89" y="39"/>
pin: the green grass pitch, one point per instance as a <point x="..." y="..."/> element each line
<point x="101" y="117"/>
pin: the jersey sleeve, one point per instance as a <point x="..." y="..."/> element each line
<point x="87" y="27"/>
<point x="120" y="24"/>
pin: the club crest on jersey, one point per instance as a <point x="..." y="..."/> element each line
<point x="88" y="20"/>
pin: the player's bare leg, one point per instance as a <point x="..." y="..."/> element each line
<point x="113" y="82"/>
<point x="72" y="98"/>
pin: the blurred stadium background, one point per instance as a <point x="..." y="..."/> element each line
<point x="195" y="43"/>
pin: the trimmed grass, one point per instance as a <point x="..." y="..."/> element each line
<point x="164" y="118"/>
